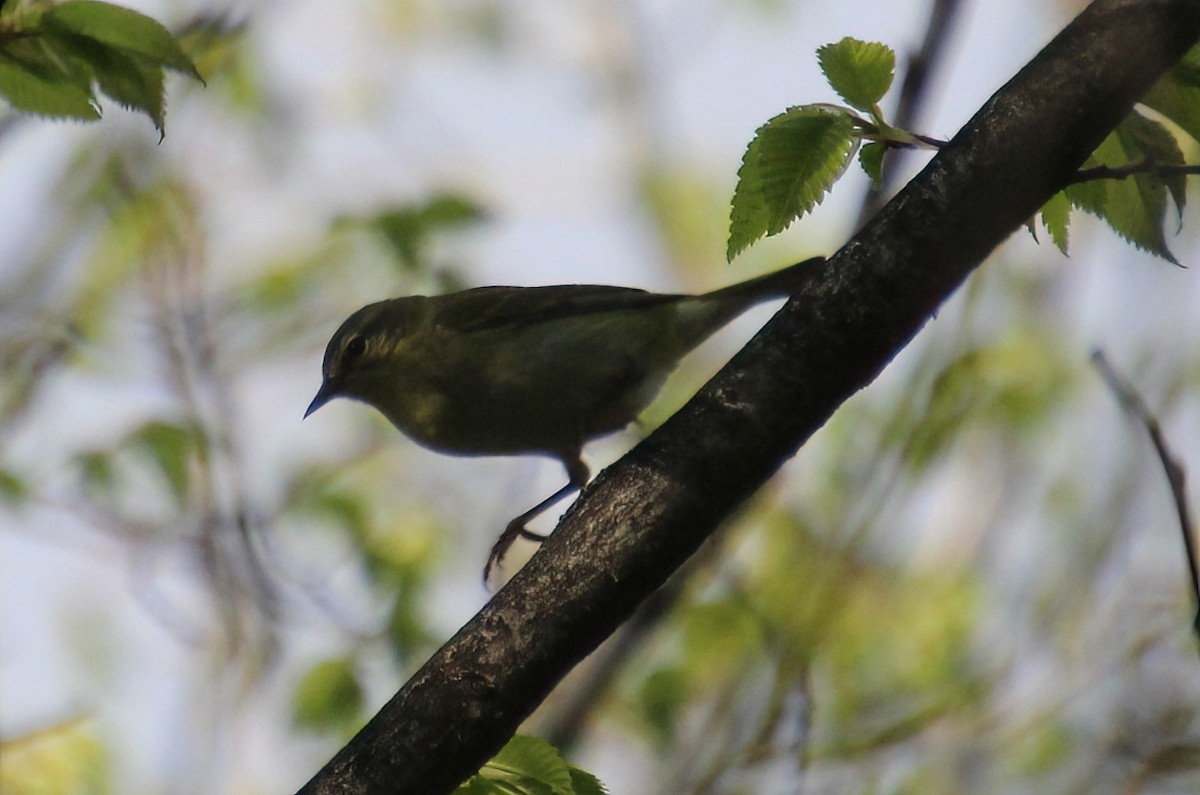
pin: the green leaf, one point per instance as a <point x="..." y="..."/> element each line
<point x="13" y="490"/>
<point x="535" y="759"/>
<point x="329" y="696"/>
<point x="1135" y="207"/>
<point x="135" y="82"/>
<point x="723" y="633"/>
<point x="584" y="783"/>
<point x="346" y="509"/>
<point x="50" y="68"/>
<point x="1155" y="144"/>
<point x="532" y="766"/>
<point x="406" y="628"/>
<point x="860" y="72"/>
<point x="870" y="157"/>
<point x="1056" y="217"/>
<point x="408" y="228"/>
<point x="661" y="696"/>
<point x="788" y="168"/>
<point x="35" y="80"/>
<point x="172" y="448"/>
<point x="1176" y="95"/>
<point x="122" y="29"/>
<point x="96" y="472"/>
<point x="1014" y="383"/>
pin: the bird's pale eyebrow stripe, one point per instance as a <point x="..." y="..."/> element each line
<point x="381" y="345"/>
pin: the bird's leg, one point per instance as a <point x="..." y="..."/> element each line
<point x="577" y="474"/>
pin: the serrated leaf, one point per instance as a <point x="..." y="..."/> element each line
<point x="1157" y="145"/>
<point x="788" y="168"/>
<point x="535" y="759"/>
<point x="329" y="696"/>
<point x="860" y="72"/>
<point x="34" y="81"/>
<point x="530" y="766"/>
<point x="584" y="783"/>
<point x="870" y="157"/>
<point x="123" y="29"/>
<point x="1135" y="208"/>
<point x="133" y="81"/>
<point x="1056" y="218"/>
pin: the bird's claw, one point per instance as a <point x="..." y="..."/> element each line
<point x="515" y="529"/>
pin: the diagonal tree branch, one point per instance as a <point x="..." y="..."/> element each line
<point x="643" y="517"/>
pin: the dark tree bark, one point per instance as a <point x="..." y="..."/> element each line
<point x="643" y="517"/>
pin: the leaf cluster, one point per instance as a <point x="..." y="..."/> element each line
<point x="53" y="58"/>
<point x="795" y="157"/>
<point x="1129" y="181"/>
<point x="530" y="766"/>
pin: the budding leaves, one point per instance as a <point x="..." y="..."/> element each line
<point x="788" y="168"/>
<point x="795" y="158"/>
<point x="1130" y="181"/>
<point x="51" y="61"/>
<point x="860" y="72"/>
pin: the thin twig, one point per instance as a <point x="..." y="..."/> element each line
<point x="1133" y="169"/>
<point x="914" y="93"/>
<point x="1132" y="402"/>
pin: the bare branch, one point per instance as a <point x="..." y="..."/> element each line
<point x="914" y="93"/>
<point x="1132" y="402"/>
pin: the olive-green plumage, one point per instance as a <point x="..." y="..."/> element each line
<point x="503" y="370"/>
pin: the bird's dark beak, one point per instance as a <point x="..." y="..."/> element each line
<point x="325" y="394"/>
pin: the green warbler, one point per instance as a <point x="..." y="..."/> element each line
<point x="509" y="370"/>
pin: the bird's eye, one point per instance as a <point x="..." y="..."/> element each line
<point x="354" y="349"/>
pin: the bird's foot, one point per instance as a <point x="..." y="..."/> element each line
<point x="515" y="529"/>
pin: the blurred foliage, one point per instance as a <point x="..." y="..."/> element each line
<point x="409" y="229"/>
<point x="58" y="760"/>
<point x="329" y="697"/>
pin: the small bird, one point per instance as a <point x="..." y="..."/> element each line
<point x="512" y="370"/>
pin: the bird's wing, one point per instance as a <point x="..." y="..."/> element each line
<point x="488" y="308"/>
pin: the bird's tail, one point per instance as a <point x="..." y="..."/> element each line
<point x="701" y="315"/>
<point x="775" y="284"/>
